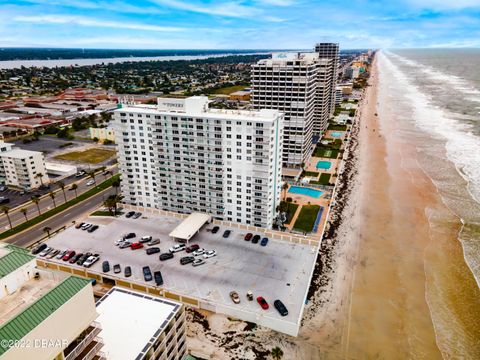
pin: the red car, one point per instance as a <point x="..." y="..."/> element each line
<point x="263" y="303"/>
<point x="68" y="255"/>
<point x="248" y="236"/>
<point x="136" y="245"/>
<point x="192" y="248"/>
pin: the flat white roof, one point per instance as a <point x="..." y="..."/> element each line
<point x="59" y="167"/>
<point x="190" y="226"/>
<point x="132" y="321"/>
<point x="20" y="153"/>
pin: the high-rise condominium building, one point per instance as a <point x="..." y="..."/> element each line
<point x="181" y="156"/>
<point x="330" y="51"/>
<point x="325" y="88"/>
<point x="288" y="82"/>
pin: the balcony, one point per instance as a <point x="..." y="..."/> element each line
<point x="78" y="346"/>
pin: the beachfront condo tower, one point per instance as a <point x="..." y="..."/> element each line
<point x="181" y="156"/>
<point x="330" y="51"/>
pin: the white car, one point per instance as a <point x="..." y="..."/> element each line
<point x="45" y="252"/>
<point x="119" y="241"/>
<point x="145" y="238"/>
<point x="91" y="260"/>
<point x="90" y="182"/>
<point x="199" y="252"/>
<point x="86" y="226"/>
<point x="61" y="254"/>
<point x="209" y="254"/>
<point x="177" y="248"/>
<point x="198" y="262"/>
<point x="52" y="254"/>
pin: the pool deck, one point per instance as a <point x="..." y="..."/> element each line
<point x="329" y="135"/>
<point x="312" y="165"/>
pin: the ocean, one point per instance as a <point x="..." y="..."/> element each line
<point x="436" y="94"/>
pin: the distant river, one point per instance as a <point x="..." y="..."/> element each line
<point x="12" y="64"/>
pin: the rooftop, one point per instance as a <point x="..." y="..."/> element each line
<point x="11" y="258"/>
<point x="20" y="153"/>
<point x="28" y="319"/>
<point x="132" y="321"/>
<point x="189" y="227"/>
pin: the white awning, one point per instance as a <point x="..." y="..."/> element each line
<point x="190" y="226"/>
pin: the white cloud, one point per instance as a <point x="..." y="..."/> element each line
<point x="444" y="4"/>
<point x="82" y="21"/>
<point x="277" y="2"/>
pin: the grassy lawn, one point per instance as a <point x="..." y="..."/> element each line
<point x="91" y="156"/>
<point x="326" y="153"/>
<point x="105" y="213"/>
<point x="324" y="180"/>
<point x="337" y="127"/>
<point x="47" y="214"/>
<point x="291" y="209"/>
<point x="306" y="218"/>
<point x="229" y="89"/>
<point x="310" y="173"/>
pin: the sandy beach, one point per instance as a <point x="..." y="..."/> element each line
<point x="388" y="278"/>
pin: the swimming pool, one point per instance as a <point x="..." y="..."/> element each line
<point x="324" y="165"/>
<point x="336" y="134"/>
<point x="305" y="191"/>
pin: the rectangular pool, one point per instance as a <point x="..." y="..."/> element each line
<point x="336" y="134"/>
<point x="324" y="165"/>
<point x="314" y="193"/>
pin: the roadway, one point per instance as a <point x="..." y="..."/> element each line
<point x="46" y="202"/>
<point x="66" y="217"/>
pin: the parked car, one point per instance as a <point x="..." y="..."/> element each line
<point x="80" y="173"/>
<point x="153" y="250"/>
<point x="248" y="237"/>
<point x="147" y="274"/>
<point x="53" y="254"/>
<point x="137" y="215"/>
<point x="130" y="214"/>
<point x="255" y="239"/>
<point x="4" y="200"/>
<point x="93" y="228"/>
<point x="124" y="244"/>
<point x="117" y="269"/>
<point x="215" y="229"/>
<point x="166" y="256"/>
<point x="187" y="260"/>
<point x="210" y="254"/>
<point x="119" y="241"/>
<point x="46" y="251"/>
<point x="3" y="188"/>
<point x="177" y="248"/>
<point x="264" y="241"/>
<point x="61" y="254"/>
<point x="198" y="262"/>
<point x="86" y="226"/>
<point x="90" y="182"/>
<point x="226" y="233"/>
<point x="105" y="266"/>
<point x="153" y="242"/>
<point x="145" y="239"/>
<point x="69" y="254"/>
<point x="39" y="248"/>
<point x="129" y="236"/>
<point x="91" y="260"/>
<point x="158" y="278"/>
<point x="199" y="252"/>
<point x="75" y="258"/>
<point x="128" y="271"/>
<point x="234" y="296"/>
<point x="79" y="225"/>
<point x="249" y="295"/>
<point x="281" y="308"/>
<point x="192" y="248"/>
<point x="83" y="258"/>
<point x="263" y="303"/>
<point x="136" y="245"/>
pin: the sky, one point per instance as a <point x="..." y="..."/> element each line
<point x="244" y="24"/>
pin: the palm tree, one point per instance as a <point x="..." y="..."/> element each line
<point x="277" y="353"/>
<point x="116" y="185"/>
<point x="111" y="203"/>
<point x="24" y="212"/>
<point x="284" y="188"/>
<point x="92" y="175"/>
<point x="52" y="195"/>
<point x="5" y="210"/>
<point x="40" y="176"/>
<point x="47" y="229"/>
<point x="61" y="185"/>
<point x="36" y="199"/>
<point x="74" y="187"/>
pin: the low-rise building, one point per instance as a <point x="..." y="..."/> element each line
<point x="241" y="95"/>
<point x="102" y="134"/>
<point x="22" y="168"/>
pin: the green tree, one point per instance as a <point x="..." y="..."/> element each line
<point x="116" y="185"/>
<point x="36" y="199"/>
<point x="52" y="195"/>
<point x="47" y="230"/>
<point x="24" y="212"/>
<point x="5" y="210"/>
<point x="40" y="176"/>
<point x="61" y="185"/>
<point x="74" y="187"/>
<point x="277" y="353"/>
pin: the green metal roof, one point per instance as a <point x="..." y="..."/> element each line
<point x="19" y="326"/>
<point x="14" y="259"/>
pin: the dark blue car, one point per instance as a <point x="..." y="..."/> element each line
<point x="264" y="241"/>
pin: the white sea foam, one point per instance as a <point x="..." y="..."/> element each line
<point x="462" y="145"/>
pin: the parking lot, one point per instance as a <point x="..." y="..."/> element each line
<point x="280" y="270"/>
